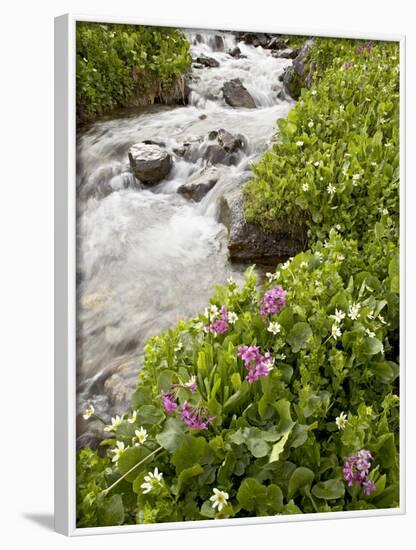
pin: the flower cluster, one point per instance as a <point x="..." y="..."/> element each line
<point x="356" y="469"/>
<point x="258" y="365"/>
<point x="273" y="301"/>
<point x="348" y="65"/>
<point x="197" y="418"/>
<point x="169" y="401"/>
<point x="365" y="48"/>
<point x="219" y="319"/>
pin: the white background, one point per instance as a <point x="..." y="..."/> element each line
<point x="26" y="218"/>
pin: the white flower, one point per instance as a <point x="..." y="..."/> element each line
<point x="230" y="281"/>
<point x="118" y="451"/>
<point x="338" y="227"/>
<point x="319" y="255"/>
<point x="211" y="312"/>
<point x="299" y="143"/>
<point x="310" y="124"/>
<point x="356" y="177"/>
<point x="274" y="328"/>
<point x="339" y="315"/>
<point x="141" y="436"/>
<point x="89" y="412"/>
<point x="132" y="419"/>
<point x="115" y="423"/>
<point x="281" y="356"/>
<point x="325" y="244"/>
<point x="94" y="70"/>
<point x="303" y="264"/>
<point x="269" y="363"/>
<point x="335" y="331"/>
<point x="151" y="481"/>
<point x="219" y="499"/>
<point x="305" y="186"/>
<point x="272" y="276"/>
<point x="178" y="346"/>
<point x="370" y="333"/>
<point x="381" y="319"/>
<point x="341" y="257"/>
<point x="191" y="382"/>
<point x="286" y="264"/>
<point x="232" y="317"/>
<point x="313" y="92"/>
<point x="316" y="163"/>
<point x="354" y="311"/>
<point x="331" y="189"/>
<point x="374" y="163"/>
<point x="341" y="108"/>
<point x="85" y="59"/>
<point x="341" y="421"/>
<point x="385" y="212"/>
<point x="347" y="155"/>
<point x="371" y="314"/>
<point x="388" y="144"/>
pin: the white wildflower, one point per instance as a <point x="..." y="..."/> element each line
<point x="335" y="331"/>
<point x="303" y="264"/>
<point x="341" y="421"/>
<point x="272" y="276"/>
<point x="118" y="451"/>
<point x="115" y="423"/>
<point x="232" y="317"/>
<point x="89" y="412"/>
<point x="339" y="315"/>
<point x="219" y="499"/>
<point x="132" y="418"/>
<point x="331" y="189"/>
<point x="140" y="436"/>
<point x="299" y="143"/>
<point x="356" y="177"/>
<point x="385" y="212"/>
<point x="178" y="346"/>
<point x="313" y="92"/>
<point x="274" y="328"/>
<point x="370" y="333"/>
<point x="305" y="186"/>
<point x="381" y="319"/>
<point x="151" y="481"/>
<point x="354" y="311"/>
<point x="310" y="124"/>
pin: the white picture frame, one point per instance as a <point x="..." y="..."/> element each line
<point x="65" y="291"/>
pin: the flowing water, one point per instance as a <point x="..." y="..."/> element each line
<point x="147" y="258"/>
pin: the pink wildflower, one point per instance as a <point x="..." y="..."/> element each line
<point x="196" y="418"/>
<point x="273" y="301"/>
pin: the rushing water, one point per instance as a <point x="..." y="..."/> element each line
<point x="147" y="258"/>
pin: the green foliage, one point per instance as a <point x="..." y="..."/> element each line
<point x="342" y="136"/>
<point x="276" y="446"/>
<point x="124" y="65"/>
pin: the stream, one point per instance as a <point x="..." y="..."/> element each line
<point x="148" y="257"/>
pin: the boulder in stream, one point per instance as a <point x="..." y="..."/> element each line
<point x="149" y="162"/>
<point x="247" y="241"/>
<point x="236" y="94"/>
<point x="222" y="147"/>
<point x="206" y="61"/>
<point x="199" y="184"/>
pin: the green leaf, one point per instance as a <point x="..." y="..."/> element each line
<point x="371" y="346"/>
<point x="302" y="477"/>
<point x="329" y="490"/>
<point x="192" y="450"/>
<point x="188" y="474"/>
<point x="172" y="435"/>
<point x="149" y="415"/>
<point x="111" y="511"/>
<point x="394" y="274"/>
<point x="299" y="335"/>
<point x="131" y="457"/>
<point x="278" y="447"/>
<point x="386" y="371"/>
<point x="252" y="495"/>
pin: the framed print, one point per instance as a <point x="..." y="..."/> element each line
<point x="228" y="308"/>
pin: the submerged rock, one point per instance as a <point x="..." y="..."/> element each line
<point x="236" y="94"/>
<point x="207" y="61"/>
<point x="247" y="241"/>
<point x="149" y="162"/>
<point x="199" y="184"/>
<point x="287" y="53"/>
<point x="277" y="43"/>
<point x="219" y="147"/>
<point x="236" y="53"/>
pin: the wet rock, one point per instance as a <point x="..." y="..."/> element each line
<point x="287" y="53"/>
<point x="149" y="162"/>
<point x="207" y="61"/>
<point x="236" y="94"/>
<point x="223" y="147"/>
<point x="247" y="241"/>
<point x="254" y="38"/>
<point x="120" y="385"/>
<point x="299" y="75"/>
<point x="217" y="43"/>
<point x="236" y="52"/>
<point x="277" y="43"/>
<point x="199" y="184"/>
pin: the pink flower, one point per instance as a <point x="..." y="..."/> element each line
<point x="369" y="487"/>
<point x="169" y="401"/>
<point x="273" y="301"/>
<point x="356" y="469"/>
<point x="196" y="418"/>
<point x="220" y="326"/>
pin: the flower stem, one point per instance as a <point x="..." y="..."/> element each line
<point x="106" y="491"/>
